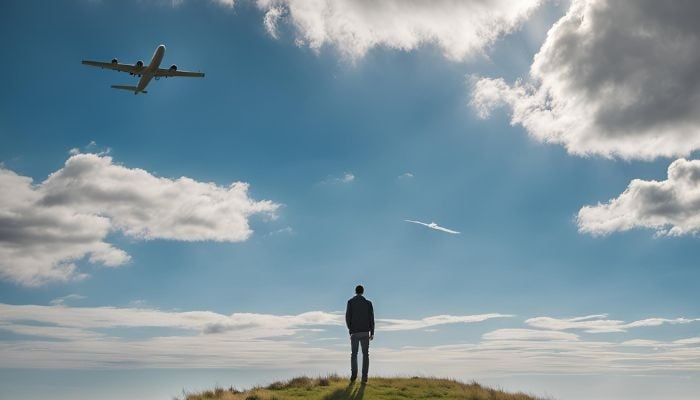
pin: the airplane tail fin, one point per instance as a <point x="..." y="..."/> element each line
<point x="130" y="88"/>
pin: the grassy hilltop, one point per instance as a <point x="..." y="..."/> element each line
<point x="336" y="388"/>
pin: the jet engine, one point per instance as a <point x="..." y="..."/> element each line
<point x="115" y="61"/>
<point x="139" y="64"/>
<point x="173" y="67"/>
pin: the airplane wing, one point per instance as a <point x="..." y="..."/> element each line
<point x="114" y="66"/>
<point x="173" y="72"/>
<point x="416" y="222"/>
<point x="440" y="228"/>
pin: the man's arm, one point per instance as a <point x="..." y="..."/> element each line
<point x="371" y="319"/>
<point x="348" y="315"/>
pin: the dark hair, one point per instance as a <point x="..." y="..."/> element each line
<point x="359" y="289"/>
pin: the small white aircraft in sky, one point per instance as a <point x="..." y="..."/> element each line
<point x="433" y="225"/>
<point x="145" y="72"/>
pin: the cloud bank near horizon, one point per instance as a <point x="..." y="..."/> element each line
<point x="201" y="322"/>
<point x="46" y="228"/>
<point x="61" y="336"/>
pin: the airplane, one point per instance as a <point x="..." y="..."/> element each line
<point x="433" y="225"/>
<point x="145" y="72"/>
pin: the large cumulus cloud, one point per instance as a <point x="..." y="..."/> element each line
<point x="46" y="228"/>
<point x="461" y="28"/>
<point x="617" y="78"/>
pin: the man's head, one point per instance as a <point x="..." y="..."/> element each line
<point x="359" y="289"/>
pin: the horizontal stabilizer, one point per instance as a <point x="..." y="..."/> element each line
<point x="130" y="88"/>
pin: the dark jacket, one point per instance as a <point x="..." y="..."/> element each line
<point x="359" y="315"/>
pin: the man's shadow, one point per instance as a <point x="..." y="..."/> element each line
<point x="349" y="393"/>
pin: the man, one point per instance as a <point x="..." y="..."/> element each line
<point x="359" y="317"/>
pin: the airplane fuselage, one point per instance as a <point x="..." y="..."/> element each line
<point x="147" y="71"/>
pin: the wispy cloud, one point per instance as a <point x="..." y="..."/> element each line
<point x="529" y="334"/>
<point x="347" y="177"/>
<point x="433" y="225"/>
<point x="287" y="230"/>
<point x="90" y="148"/>
<point x="226" y="3"/>
<point x="271" y="20"/>
<point x="600" y="324"/>
<point x="84" y="337"/>
<point x="62" y="300"/>
<point x="249" y="325"/>
<point x="408" y="324"/>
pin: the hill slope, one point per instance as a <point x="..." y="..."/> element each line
<point x="336" y="388"/>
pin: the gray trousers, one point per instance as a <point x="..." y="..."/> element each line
<point x="356" y="339"/>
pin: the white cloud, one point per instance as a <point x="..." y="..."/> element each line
<point x="407" y="324"/>
<point x="347" y="177"/>
<point x="600" y="323"/>
<point x="693" y="340"/>
<point x="246" y="325"/>
<point x="528" y="334"/>
<point x="62" y="300"/>
<point x="614" y="78"/>
<point x="271" y="19"/>
<point x="39" y="243"/>
<point x="192" y="338"/>
<point x="287" y="230"/>
<point x="461" y="29"/>
<point x="205" y="322"/>
<point x="46" y="228"/>
<point x="227" y="3"/>
<point x="266" y="325"/>
<point x="84" y="337"/>
<point x="671" y="207"/>
<point x="406" y="176"/>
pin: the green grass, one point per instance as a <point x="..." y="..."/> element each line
<point x="336" y="388"/>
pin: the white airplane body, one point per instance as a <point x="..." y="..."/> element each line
<point x="144" y="72"/>
<point x="433" y="225"/>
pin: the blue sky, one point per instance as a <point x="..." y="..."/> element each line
<point x="345" y="142"/>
